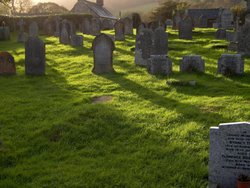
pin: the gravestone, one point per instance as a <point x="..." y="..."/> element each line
<point x="95" y="26"/>
<point x="33" y="30"/>
<point x="86" y="26"/>
<point x="140" y="28"/>
<point x="22" y="36"/>
<point x="186" y="29"/>
<point x="107" y="24"/>
<point x="48" y="27"/>
<point x="57" y="21"/>
<point x="128" y="26"/>
<point x="192" y="63"/>
<point x="231" y="36"/>
<point x="159" y="63"/>
<point x="64" y="36"/>
<point x="177" y="20"/>
<point x="203" y="21"/>
<point x="227" y="19"/>
<point x="77" y="40"/>
<point x="244" y="39"/>
<point x="229" y="154"/>
<point x="231" y="64"/>
<point x="221" y="34"/>
<point x="7" y="64"/>
<point x="4" y="33"/>
<point x="169" y="23"/>
<point x="103" y="47"/>
<point x="143" y="49"/>
<point x="34" y="56"/>
<point x="119" y="31"/>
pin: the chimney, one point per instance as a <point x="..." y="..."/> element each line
<point x="99" y="2"/>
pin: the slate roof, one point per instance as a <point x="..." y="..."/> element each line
<point x="97" y="9"/>
<point x="212" y="14"/>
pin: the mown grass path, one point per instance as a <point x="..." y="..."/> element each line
<point x="149" y="135"/>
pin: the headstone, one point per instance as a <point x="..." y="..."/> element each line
<point x="159" y="63"/>
<point x="227" y="19"/>
<point x="231" y="64"/>
<point x="49" y="27"/>
<point x="77" y="40"/>
<point x="229" y="154"/>
<point x="128" y="26"/>
<point x="86" y="26"/>
<point x="103" y="47"/>
<point x="7" y="64"/>
<point x="177" y="20"/>
<point x="186" y="29"/>
<point x="33" y="30"/>
<point x="119" y="31"/>
<point x="34" y="56"/>
<point x="221" y="34"/>
<point x="107" y="24"/>
<point x="141" y="27"/>
<point x="203" y="21"/>
<point x="96" y="26"/>
<point x="143" y="49"/>
<point x="244" y="40"/>
<point x="192" y="63"/>
<point x="169" y="23"/>
<point x="231" y="36"/>
<point x="22" y="36"/>
<point x="64" y="36"/>
<point x="4" y="33"/>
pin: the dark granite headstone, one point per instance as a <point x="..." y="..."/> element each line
<point x="34" y="56"/>
<point x="103" y="47"/>
<point x="7" y="64"/>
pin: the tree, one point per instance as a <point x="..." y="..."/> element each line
<point x="47" y="8"/>
<point x="167" y="8"/>
<point x="22" y="6"/>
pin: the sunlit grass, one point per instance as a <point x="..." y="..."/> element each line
<point x="150" y="135"/>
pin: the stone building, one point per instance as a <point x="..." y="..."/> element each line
<point x="96" y="9"/>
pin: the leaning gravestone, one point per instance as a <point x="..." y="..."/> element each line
<point x="33" y="30"/>
<point x="186" y="29"/>
<point x="4" y="33"/>
<point x="119" y="31"/>
<point x="143" y="49"/>
<point x="128" y="26"/>
<point x="229" y="154"/>
<point x="192" y="63"/>
<point x="95" y="26"/>
<point x="7" y="64"/>
<point x="231" y="64"/>
<point x="103" y="47"/>
<point x="77" y="40"/>
<point x="159" y="63"/>
<point x="34" y="56"/>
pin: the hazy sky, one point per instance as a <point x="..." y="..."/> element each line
<point x="66" y="3"/>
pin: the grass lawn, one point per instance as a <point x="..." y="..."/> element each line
<point x="150" y="134"/>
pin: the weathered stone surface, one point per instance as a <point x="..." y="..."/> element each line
<point x="34" y="56"/>
<point x="231" y="36"/>
<point x="22" y="37"/>
<point x="227" y="19"/>
<point x="4" y="33"/>
<point x="244" y="40"/>
<point x="7" y="64"/>
<point x="177" y="20"/>
<point x="231" y="64"/>
<point x="77" y="40"/>
<point x="221" y="34"/>
<point x="229" y="153"/>
<point x="128" y="26"/>
<point x="64" y="36"/>
<point x="103" y="47"/>
<point x="86" y="26"/>
<point x="33" y="30"/>
<point x="49" y="27"/>
<point x="186" y="29"/>
<point x="119" y="31"/>
<point x="107" y="24"/>
<point x="160" y="42"/>
<point x="192" y="63"/>
<point x="169" y="23"/>
<point x="143" y="50"/>
<point x="159" y="64"/>
<point x="95" y="26"/>
<point x="233" y="46"/>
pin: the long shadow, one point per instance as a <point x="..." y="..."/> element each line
<point x="194" y="114"/>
